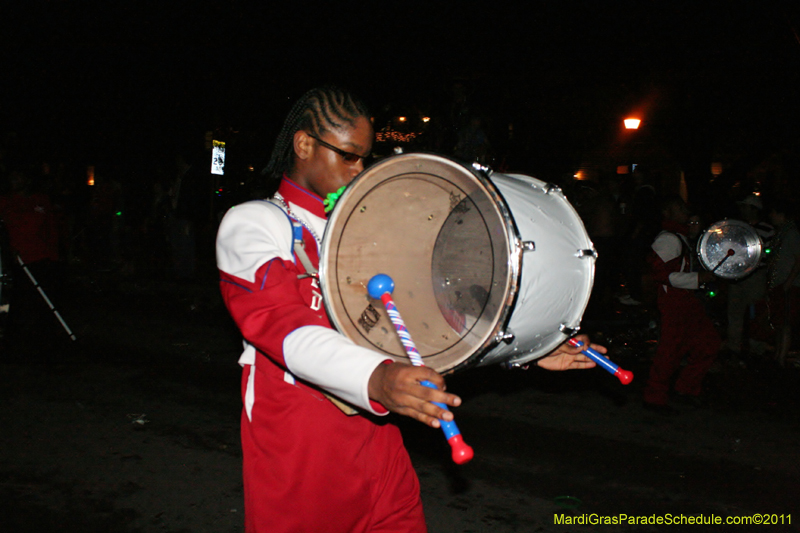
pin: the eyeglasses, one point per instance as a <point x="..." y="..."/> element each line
<point x="349" y="157"/>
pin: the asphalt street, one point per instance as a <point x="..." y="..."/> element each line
<point x="134" y="428"/>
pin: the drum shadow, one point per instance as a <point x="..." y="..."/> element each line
<point x="474" y="383"/>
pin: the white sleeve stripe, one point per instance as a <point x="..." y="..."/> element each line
<point x="330" y="360"/>
<point x="684" y="280"/>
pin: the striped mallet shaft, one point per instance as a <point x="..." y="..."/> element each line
<point x="624" y="376"/>
<point x="381" y="287"/>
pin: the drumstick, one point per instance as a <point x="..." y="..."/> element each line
<point x="730" y="253"/>
<point x="381" y="287"/>
<point x="624" y="376"/>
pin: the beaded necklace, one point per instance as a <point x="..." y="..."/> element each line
<point x="302" y="222"/>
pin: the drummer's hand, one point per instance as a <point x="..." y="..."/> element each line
<point x="398" y="387"/>
<point x="567" y="357"/>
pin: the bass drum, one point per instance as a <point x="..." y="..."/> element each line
<point x="488" y="268"/>
<point x="731" y="249"/>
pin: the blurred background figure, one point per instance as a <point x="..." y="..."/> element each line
<point x="782" y="277"/>
<point x="686" y="329"/>
<point x="473" y="143"/>
<point x="33" y="236"/>
<point x="102" y="227"/>
<point x="188" y="210"/>
<point x="744" y="294"/>
<point x="643" y="226"/>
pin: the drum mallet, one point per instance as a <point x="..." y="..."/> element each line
<point x="728" y="255"/>
<point x="46" y="299"/>
<point x="381" y="287"/>
<point x="624" y="376"/>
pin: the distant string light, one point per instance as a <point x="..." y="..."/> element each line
<point x="389" y="135"/>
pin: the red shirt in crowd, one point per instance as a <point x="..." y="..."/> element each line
<point x="31" y="226"/>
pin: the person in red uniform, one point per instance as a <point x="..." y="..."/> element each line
<point x="316" y="454"/>
<point x="686" y="329"/>
<point x="32" y="231"/>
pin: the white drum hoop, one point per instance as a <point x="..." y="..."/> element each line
<point x="474" y="283"/>
<point x="730" y="249"/>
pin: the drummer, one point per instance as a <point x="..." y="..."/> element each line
<point x="686" y="329"/>
<point x="316" y="455"/>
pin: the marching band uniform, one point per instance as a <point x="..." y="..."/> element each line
<point x="685" y="326"/>
<point x="295" y="430"/>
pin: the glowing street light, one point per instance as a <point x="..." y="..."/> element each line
<point x="632" y="123"/>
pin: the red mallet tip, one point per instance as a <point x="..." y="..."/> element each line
<point x="624" y="376"/>
<point x="462" y="452"/>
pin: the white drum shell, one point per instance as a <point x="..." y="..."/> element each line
<point x="555" y="278"/>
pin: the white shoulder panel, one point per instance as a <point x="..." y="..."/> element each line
<point x="250" y="235"/>
<point x="667" y="246"/>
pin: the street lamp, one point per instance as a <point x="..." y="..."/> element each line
<point x="632" y="123"/>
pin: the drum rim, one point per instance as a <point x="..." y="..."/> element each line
<point x="514" y="253"/>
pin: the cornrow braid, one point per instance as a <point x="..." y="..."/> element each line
<point x="318" y="111"/>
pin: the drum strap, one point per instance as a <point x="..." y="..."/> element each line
<point x="687" y="252"/>
<point x="300" y="251"/>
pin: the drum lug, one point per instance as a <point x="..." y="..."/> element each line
<point x="482" y="168"/>
<point x="528" y="246"/>
<point x="569" y="331"/>
<point x="551" y="187"/>
<point x="587" y="253"/>
<point x="503" y="336"/>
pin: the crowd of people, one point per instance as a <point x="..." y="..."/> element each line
<point x="58" y="224"/>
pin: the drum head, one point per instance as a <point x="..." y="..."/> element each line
<point x="442" y="233"/>
<point x="731" y="249"/>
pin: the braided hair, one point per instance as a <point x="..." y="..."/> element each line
<point x="318" y="111"/>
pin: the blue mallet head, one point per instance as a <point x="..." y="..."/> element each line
<point x="379" y="285"/>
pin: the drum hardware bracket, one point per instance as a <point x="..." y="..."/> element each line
<point x="506" y="337"/>
<point x="550" y="187"/>
<point x="515" y="366"/>
<point x="528" y="246"/>
<point x="587" y="253"/>
<point x="482" y="168"/>
<point x="569" y="331"/>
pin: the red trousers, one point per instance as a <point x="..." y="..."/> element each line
<point x="310" y="468"/>
<point x="686" y="330"/>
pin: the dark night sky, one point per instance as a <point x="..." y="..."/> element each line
<point x="106" y="81"/>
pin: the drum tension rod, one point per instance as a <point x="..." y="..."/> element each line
<point x="528" y="246"/>
<point x="587" y="253"/>
<point x="569" y="331"/>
